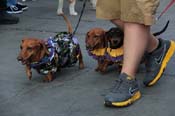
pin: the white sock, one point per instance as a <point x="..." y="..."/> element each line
<point x="60" y="7"/>
<point x="94" y="3"/>
<point x="72" y="8"/>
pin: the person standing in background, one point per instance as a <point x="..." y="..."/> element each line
<point x="6" y="18"/>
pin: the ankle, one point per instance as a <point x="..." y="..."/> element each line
<point x="130" y="77"/>
<point x="153" y="44"/>
<point x="156" y="48"/>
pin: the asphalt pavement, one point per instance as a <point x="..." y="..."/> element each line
<point x="74" y="92"/>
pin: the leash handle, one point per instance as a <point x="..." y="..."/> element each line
<point x="166" y="8"/>
<point x="84" y="5"/>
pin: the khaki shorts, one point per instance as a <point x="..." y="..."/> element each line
<point x="137" y="11"/>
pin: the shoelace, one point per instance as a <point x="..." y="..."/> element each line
<point x="115" y="87"/>
<point x="120" y="86"/>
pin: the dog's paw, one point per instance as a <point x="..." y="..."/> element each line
<point x="29" y="75"/>
<point x="46" y="79"/>
<point x="103" y="71"/>
<point x="49" y="77"/>
<point x="81" y="66"/>
<point x="97" y="69"/>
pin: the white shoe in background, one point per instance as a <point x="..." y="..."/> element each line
<point x="72" y="8"/>
<point x="60" y="7"/>
<point x="93" y="2"/>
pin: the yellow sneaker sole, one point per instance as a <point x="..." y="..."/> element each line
<point x="128" y="102"/>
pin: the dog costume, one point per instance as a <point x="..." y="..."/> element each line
<point x="114" y="55"/>
<point x="62" y="46"/>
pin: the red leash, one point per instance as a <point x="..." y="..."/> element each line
<point x="166" y="8"/>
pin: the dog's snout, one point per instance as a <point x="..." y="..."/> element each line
<point x="115" y="41"/>
<point x="87" y="46"/>
<point x="19" y="58"/>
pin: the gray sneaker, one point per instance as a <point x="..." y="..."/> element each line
<point x="157" y="61"/>
<point x="124" y="92"/>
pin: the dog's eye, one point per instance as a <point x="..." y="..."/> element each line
<point x="116" y="41"/>
<point x="21" y="47"/>
<point x="96" y="36"/>
<point x="29" y="48"/>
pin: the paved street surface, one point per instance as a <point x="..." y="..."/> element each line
<point x="74" y="92"/>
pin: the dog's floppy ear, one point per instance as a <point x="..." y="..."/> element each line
<point x="43" y="47"/>
<point x="103" y="34"/>
<point x="121" y="33"/>
<point x="109" y="34"/>
<point x="87" y="34"/>
<point x="22" y="41"/>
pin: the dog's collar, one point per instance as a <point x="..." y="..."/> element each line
<point x="114" y="54"/>
<point x="107" y="53"/>
<point x="97" y="53"/>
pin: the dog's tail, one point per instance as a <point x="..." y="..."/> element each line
<point x="163" y="30"/>
<point x="69" y="26"/>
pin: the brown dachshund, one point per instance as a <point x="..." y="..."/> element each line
<point x="97" y="45"/>
<point x="49" y="56"/>
<point x="33" y="50"/>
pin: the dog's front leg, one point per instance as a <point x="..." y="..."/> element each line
<point x="99" y="65"/>
<point x="119" y="64"/>
<point x="28" y="72"/>
<point x="81" y="62"/>
<point x="104" y="66"/>
<point x="49" y="77"/>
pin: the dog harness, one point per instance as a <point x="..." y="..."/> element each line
<point x="61" y="47"/>
<point x="114" y="55"/>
